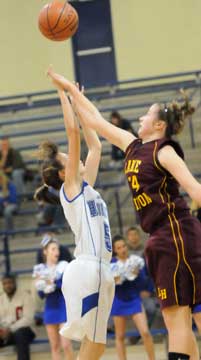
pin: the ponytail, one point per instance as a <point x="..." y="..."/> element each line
<point x="47" y="194"/>
<point x="175" y="114"/>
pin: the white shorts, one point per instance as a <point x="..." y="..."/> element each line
<point x="88" y="289"/>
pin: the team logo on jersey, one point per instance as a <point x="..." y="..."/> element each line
<point x="97" y="208"/>
<point x="107" y="237"/>
<point x="162" y="293"/>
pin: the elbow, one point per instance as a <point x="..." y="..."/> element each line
<point x="73" y="130"/>
<point x="195" y="194"/>
<point x="98" y="147"/>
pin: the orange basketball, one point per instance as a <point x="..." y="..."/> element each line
<point x="58" y="20"/>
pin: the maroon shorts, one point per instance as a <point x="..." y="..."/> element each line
<point x="173" y="256"/>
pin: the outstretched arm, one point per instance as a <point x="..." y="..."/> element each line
<point x="92" y="117"/>
<point x="94" y="148"/>
<point x="94" y="154"/>
<point x="72" y="182"/>
<point x="176" y="166"/>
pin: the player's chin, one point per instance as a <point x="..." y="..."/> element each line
<point x="140" y="132"/>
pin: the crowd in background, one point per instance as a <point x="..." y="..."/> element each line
<point x="17" y="327"/>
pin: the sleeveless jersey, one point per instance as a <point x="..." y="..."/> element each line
<point x="155" y="192"/>
<point x="87" y="216"/>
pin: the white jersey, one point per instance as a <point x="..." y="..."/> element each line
<point x="87" y="216"/>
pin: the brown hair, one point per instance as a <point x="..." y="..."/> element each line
<point x="175" y="114"/>
<point x="48" y="152"/>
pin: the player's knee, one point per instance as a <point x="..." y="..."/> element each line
<point x="145" y="334"/>
<point x="55" y="347"/>
<point x="120" y="337"/>
<point x="67" y="347"/>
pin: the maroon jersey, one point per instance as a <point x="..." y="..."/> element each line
<point x="155" y="192"/>
<point x="173" y="250"/>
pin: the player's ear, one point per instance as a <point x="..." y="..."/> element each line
<point x="159" y="124"/>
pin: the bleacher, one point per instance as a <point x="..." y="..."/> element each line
<point x="30" y="118"/>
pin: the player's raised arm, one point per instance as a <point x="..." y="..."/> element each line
<point x="92" y="117"/>
<point x="73" y="136"/>
<point x="72" y="161"/>
<point x="175" y="165"/>
<point x="94" y="154"/>
<point x="94" y="149"/>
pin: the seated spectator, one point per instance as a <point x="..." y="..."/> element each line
<point x="12" y="164"/>
<point x="48" y="280"/>
<point x="134" y="241"/>
<point x="117" y="120"/>
<point x="50" y="213"/>
<point x="64" y="253"/>
<point x="8" y="200"/>
<point x="16" y="317"/>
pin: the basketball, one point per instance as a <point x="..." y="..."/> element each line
<point x="58" y="21"/>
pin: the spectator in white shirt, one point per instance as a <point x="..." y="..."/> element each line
<point x="16" y="317"/>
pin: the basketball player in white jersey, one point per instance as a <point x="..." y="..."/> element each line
<point x="88" y="285"/>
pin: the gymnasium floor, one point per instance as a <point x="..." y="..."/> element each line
<point x="134" y="352"/>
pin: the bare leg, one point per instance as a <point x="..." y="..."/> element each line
<point x="120" y="328"/>
<point x="90" y="350"/>
<point x="197" y="319"/>
<point x="140" y="321"/>
<point x="54" y="338"/>
<point x="179" y="325"/>
<point x="67" y="347"/>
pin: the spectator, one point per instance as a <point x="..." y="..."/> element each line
<point x="8" y="200"/>
<point x="128" y="274"/>
<point x="64" y="253"/>
<point x="16" y="317"/>
<point x="136" y="247"/>
<point x="117" y="120"/>
<point x="50" y="214"/>
<point x="134" y="241"/>
<point x="12" y="164"/>
<point x="48" y="283"/>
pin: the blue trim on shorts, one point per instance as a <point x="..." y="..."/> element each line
<point x="81" y="192"/>
<point x="196" y="309"/>
<point x="89" y="302"/>
<point x="99" y="285"/>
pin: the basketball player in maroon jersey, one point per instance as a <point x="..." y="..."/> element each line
<point x="155" y="168"/>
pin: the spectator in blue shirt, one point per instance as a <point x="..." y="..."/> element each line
<point x="8" y="200"/>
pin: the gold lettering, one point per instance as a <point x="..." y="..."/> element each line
<point x="148" y="199"/>
<point x="136" y="204"/>
<point x="141" y="201"/>
<point x="132" y="166"/>
<point x="162" y="293"/>
<point x="134" y="182"/>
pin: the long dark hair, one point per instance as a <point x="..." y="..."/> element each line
<point x="175" y="114"/>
